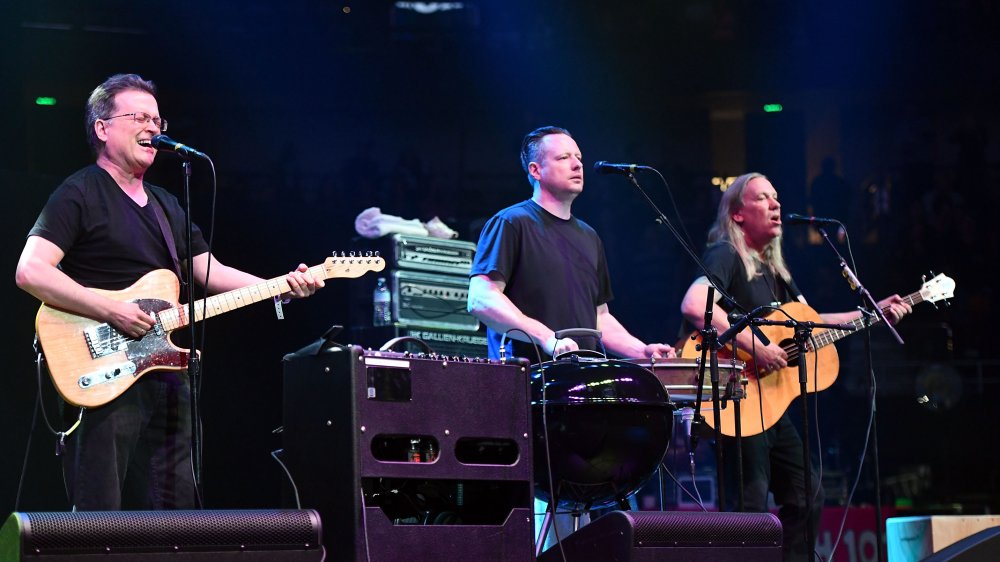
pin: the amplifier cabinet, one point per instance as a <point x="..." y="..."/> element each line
<point x="408" y="457"/>
<point x="431" y="301"/>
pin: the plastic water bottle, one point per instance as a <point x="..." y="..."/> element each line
<point x="381" y="304"/>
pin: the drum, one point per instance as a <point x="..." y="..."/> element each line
<point x="680" y="378"/>
<point x="609" y="425"/>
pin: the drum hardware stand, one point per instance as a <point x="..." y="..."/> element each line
<point x="709" y="339"/>
<point x="735" y="389"/>
<point x="868" y="307"/>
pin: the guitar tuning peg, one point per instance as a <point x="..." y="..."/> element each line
<point x="376" y="253"/>
<point x="352" y="254"/>
<point x="368" y="254"/>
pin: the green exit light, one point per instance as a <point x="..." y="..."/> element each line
<point x="45" y="100"/>
<point x="772" y="107"/>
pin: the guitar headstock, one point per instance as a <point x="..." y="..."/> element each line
<point x="941" y="287"/>
<point x="352" y="264"/>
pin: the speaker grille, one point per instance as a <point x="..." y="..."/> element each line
<point x="156" y="531"/>
<point x="699" y="528"/>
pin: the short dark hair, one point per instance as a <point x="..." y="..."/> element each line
<point x="101" y="103"/>
<point x="532" y="141"/>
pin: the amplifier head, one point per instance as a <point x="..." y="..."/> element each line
<point x="431" y="301"/>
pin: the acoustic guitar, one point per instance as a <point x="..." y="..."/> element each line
<point x="768" y="395"/>
<point x="92" y="363"/>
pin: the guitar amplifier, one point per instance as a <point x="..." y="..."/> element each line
<point x="411" y="458"/>
<point x="425" y="253"/>
<point x="431" y="301"/>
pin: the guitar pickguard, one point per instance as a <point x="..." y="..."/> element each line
<point x="154" y="349"/>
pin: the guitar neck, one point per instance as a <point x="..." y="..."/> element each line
<point x="827" y="337"/>
<point x="215" y="305"/>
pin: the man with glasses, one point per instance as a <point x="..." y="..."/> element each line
<point x="104" y="228"/>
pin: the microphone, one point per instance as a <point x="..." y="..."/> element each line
<point x="793" y="218"/>
<point x="609" y="168"/>
<point x="167" y="144"/>
<point x="741" y="322"/>
<point x="687" y="416"/>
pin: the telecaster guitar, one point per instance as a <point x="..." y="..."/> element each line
<point x="91" y="363"/>
<point x="769" y="395"/>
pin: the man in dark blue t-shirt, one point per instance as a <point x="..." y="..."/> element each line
<point x="539" y="269"/>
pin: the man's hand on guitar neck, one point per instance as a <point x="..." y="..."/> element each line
<point x="895" y="308"/>
<point x="302" y="283"/>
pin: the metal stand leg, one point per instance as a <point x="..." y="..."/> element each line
<point x="540" y="541"/>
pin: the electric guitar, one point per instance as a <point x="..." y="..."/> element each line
<point x="92" y="363"/>
<point x="768" y="395"/>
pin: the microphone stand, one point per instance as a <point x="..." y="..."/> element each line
<point x="868" y="306"/>
<point x="194" y="359"/>
<point x="866" y="298"/>
<point x="712" y="350"/>
<point x="803" y="331"/>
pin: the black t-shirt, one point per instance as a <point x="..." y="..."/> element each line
<point x="108" y="240"/>
<point x="555" y="270"/>
<point x="725" y="265"/>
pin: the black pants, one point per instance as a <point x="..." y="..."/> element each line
<point x="772" y="461"/>
<point x="133" y="453"/>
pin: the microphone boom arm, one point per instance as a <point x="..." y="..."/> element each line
<point x="857" y="287"/>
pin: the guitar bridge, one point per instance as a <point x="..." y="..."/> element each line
<point x="103" y="340"/>
<point x="113" y="372"/>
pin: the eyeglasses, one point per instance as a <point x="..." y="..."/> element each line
<point x="142" y="118"/>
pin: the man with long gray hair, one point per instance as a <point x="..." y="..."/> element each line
<point x="745" y="260"/>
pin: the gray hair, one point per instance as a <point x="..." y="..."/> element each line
<point x="725" y="229"/>
<point x="101" y="103"/>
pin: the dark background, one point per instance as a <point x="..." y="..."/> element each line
<point x="313" y="112"/>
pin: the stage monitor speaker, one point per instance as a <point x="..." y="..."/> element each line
<point x="980" y="547"/>
<point x="154" y="536"/>
<point x="682" y="536"/>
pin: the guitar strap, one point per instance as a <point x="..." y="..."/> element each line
<point x="168" y="236"/>
<point x="786" y="288"/>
